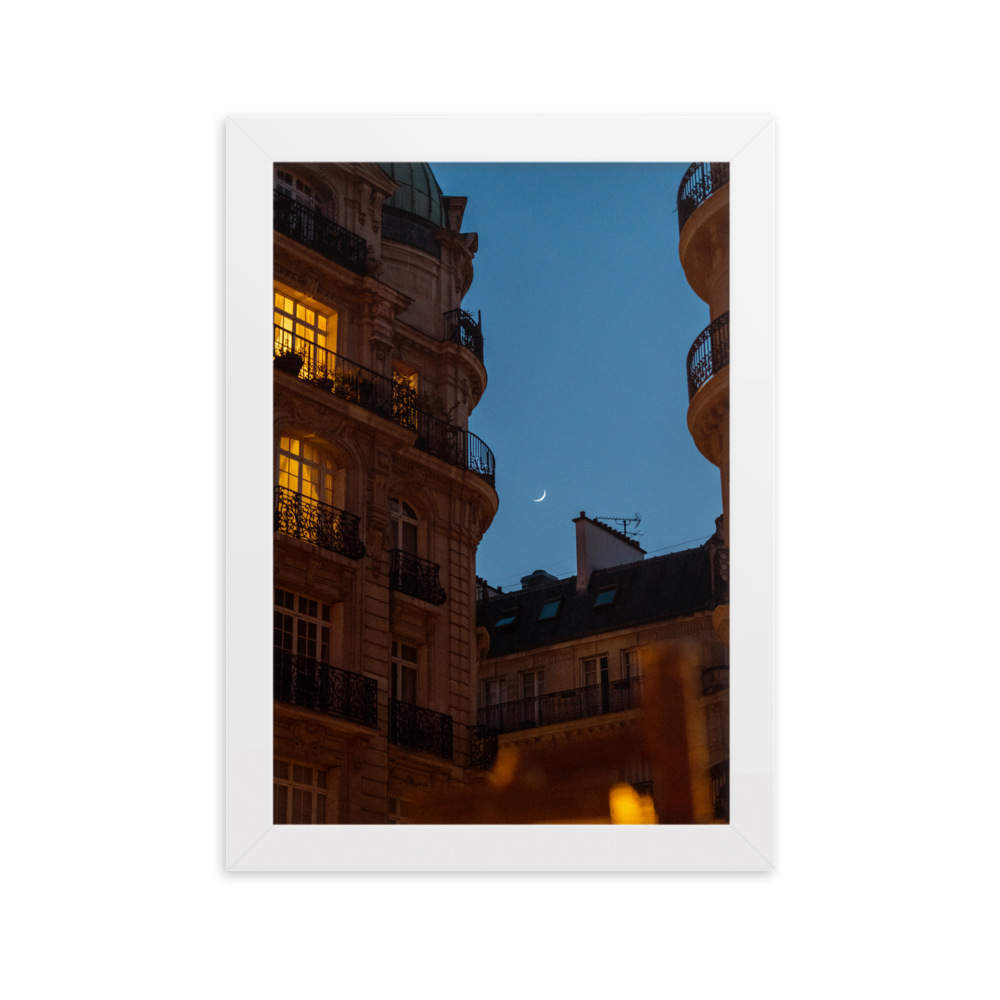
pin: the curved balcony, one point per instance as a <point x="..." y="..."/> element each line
<point x="309" y="683"/>
<point x="395" y="401"/>
<point x="699" y="181"/>
<point x="318" y="523"/>
<point x="561" y="706"/>
<point x="409" y="574"/>
<point x="308" y="227"/>
<point x="460" y="327"/>
<point x="420" y="729"/>
<point x="709" y="354"/>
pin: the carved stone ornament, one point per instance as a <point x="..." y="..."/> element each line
<point x="364" y="201"/>
<point x="308" y="735"/>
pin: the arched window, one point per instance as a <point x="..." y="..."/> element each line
<point x="404" y="526"/>
<point x="294" y="187"/>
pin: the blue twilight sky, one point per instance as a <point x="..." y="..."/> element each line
<point x="587" y="321"/>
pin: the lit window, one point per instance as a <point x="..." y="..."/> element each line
<point x="606" y="597"/>
<point x="506" y="620"/>
<point x="550" y="609"/>
<point x="299" y="793"/>
<point x="304" y="470"/>
<point x="300" y="329"/>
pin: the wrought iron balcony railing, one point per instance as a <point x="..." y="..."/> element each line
<point x="318" y="523"/>
<point x="417" y="577"/>
<point x="309" y="683"/>
<point x="709" y="353"/>
<point x="643" y="787"/>
<point x="561" y="706"/>
<point x="308" y="227"/>
<point x="714" y="679"/>
<point x="331" y="372"/>
<point x="460" y="327"/>
<point x="720" y="576"/>
<point x="395" y="401"/>
<point x="720" y="789"/>
<point x="420" y="729"/>
<point x="700" y="180"/>
<point x="456" y="446"/>
<point x="483" y="747"/>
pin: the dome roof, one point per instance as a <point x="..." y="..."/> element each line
<point x="420" y="193"/>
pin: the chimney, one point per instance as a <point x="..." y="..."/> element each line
<point x="600" y="547"/>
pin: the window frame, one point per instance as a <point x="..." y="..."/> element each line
<point x="293" y="784"/>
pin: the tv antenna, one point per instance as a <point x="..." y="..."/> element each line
<point x="635" y="519"/>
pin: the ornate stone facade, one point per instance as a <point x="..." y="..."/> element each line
<point x="341" y="447"/>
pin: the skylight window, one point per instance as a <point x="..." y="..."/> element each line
<point x="606" y="598"/>
<point x="550" y="609"/>
<point x="506" y="620"/>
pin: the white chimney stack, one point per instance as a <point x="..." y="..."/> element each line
<point x="600" y="547"/>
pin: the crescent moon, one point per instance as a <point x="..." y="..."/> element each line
<point x="541" y="498"/>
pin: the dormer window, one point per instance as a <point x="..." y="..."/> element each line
<point x="508" y="619"/>
<point x="550" y="609"/>
<point x="606" y="597"/>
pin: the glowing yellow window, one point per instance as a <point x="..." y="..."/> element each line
<point x="298" y="329"/>
<point x="302" y="469"/>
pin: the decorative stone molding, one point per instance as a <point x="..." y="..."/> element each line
<point x="720" y="622"/>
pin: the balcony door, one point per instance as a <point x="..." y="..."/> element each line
<point x="403" y="677"/>
<point x="595" y="680"/>
<point x="404" y="526"/>
<point x="300" y="329"/>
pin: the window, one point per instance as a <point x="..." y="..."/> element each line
<point x="299" y="793"/>
<point x="606" y="597"/>
<point x="507" y="618"/>
<point x="301" y="329"/>
<point x="304" y="469"/>
<point x="630" y="663"/>
<point x="403" y="679"/>
<point x="550" y="609"/>
<point x="532" y="683"/>
<point x="595" y="671"/>
<point x="404" y="526"/>
<point x="495" y="691"/>
<point x="399" y="810"/>
<point x="308" y="628"/>
<point x="294" y="187"/>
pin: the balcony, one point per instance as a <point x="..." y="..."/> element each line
<point x="714" y="679"/>
<point x="483" y="747"/>
<point x="309" y="683"/>
<point x="409" y="574"/>
<point x="420" y="729"/>
<point x="395" y="401"/>
<point x="720" y="790"/>
<point x="700" y="181"/>
<point x="317" y="523"/>
<point x="709" y="353"/>
<point x="460" y="327"/>
<point x="643" y="787"/>
<point x="308" y="227"/>
<point x="561" y="706"/>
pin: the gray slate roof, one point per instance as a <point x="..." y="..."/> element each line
<point x="667" y="586"/>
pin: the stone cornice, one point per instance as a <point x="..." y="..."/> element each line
<point x="644" y="633"/>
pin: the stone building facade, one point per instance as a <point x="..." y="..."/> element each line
<point x="381" y="493"/>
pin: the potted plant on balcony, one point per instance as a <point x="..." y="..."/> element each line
<point x="290" y="363"/>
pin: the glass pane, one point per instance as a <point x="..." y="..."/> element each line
<point x="303" y="775"/>
<point x="301" y="806"/>
<point x="320" y="808"/>
<point x="409" y="692"/>
<point x="409" y="539"/>
<point x="280" y="804"/>
<point x="409" y="653"/>
<point x="281" y="769"/>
